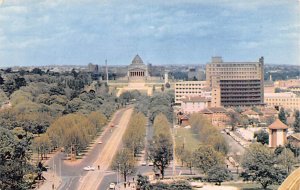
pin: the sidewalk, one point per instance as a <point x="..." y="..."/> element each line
<point x="52" y="181"/>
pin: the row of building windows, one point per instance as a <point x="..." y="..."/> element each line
<point x="186" y="88"/>
<point x="202" y="85"/>
<point x="231" y="69"/>
<point x="284" y="99"/>
<point x="190" y="92"/>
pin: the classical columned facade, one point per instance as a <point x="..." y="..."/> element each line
<point x="137" y="70"/>
<point x="137" y="73"/>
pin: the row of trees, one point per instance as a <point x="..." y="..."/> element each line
<point x="209" y="157"/>
<point x="161" y="148"/>
<point x="73" y="132"/>
<point x="208" y="134"/>
<point x="133" y="142"/>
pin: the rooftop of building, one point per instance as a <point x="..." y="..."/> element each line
<point x="277" y="124"/>
<point x="195" y="99"/>
<point x="280" y="95"/>
<point x="249" y="112"/>
<point x="295" y="136"/>
<point x="213" y="110"/>
<point x="137" y="60"/>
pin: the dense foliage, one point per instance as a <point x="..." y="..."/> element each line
<point x="161" y="152"/>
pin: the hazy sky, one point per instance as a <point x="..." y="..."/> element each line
<point x="43" y="32"/>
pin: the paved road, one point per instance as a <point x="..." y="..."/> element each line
<point x="93" y="178"/>
<point x="234" y="147"/>
<point x="71" y="175"/>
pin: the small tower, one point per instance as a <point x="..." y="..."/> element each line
<point x="277" y="134"/>
<point x="166" y="77"/>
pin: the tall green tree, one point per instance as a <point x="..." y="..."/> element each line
<point x="124" y="163"/>
<point x="161" y="153"/>
<point x="296" y="124"/>
<point x="205" y="157"/>
<point x="219" y="173"/>
<point x="287" y="159"/>
<point x="282" y="116"/>
<point x="260" y="165"/>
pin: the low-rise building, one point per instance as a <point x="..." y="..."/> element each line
<point x="287" y="100"/>
<point x="193" y="104"/>
<point x="216" y="115"/>
<point x="287" y="83"/>
<point x="294" y="140"/>
<point x="251" y="114"/>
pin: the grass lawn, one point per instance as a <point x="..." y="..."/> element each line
<point x="250" y="186"/>
<point x="186" y="137"/>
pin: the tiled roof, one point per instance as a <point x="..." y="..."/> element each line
<point x="213" y="110"/>
<point x="249" y="112"/>
<point x="295" y="136"/>
<point x="277" y="125"/>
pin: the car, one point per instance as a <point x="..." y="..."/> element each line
<point x="144" y="164"/>
<point x="150" y="164"/>
<point x="89" y="168"/>
<point x="100" y="142"/>
<point x="112" y="186"/>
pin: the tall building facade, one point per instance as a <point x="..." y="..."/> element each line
<point x="190" y="88"/>
<point x="236" y="83"/>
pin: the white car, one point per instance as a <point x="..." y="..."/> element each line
<point x="150" y="164"/>
<point x="89" y="168"/>
<point x="112" y="186"/>
<point x="100" y="142"/>
<point x="144" y="164"/>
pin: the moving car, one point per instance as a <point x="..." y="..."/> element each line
<point x="112" y="186"/>
<point x="89" y="168"/>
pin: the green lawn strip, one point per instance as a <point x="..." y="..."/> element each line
<point x="191" y="141"/>
<point x="250" y="186"/>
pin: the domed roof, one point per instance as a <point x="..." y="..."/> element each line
<point x="137" y="60"/>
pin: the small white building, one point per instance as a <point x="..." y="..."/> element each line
<point x="193" y="104"/>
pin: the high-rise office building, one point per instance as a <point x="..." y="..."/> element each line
<point x="236" y="83"/>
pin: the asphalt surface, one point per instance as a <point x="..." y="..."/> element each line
<point x="72" y="174"/>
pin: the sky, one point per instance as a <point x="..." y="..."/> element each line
<point x="77" y="32"/>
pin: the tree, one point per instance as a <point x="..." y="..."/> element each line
<point x="143" y="182"/>
<point x="235" y="119"/>
<point x="14" y="161"/>
<point x="205" y="157"/>
<point x="161" y="153"/>
<point x="287" y="159"/>
<point x="219" y="173"/>
<point x="282" y="116"/>
<point x="124" y="163"/>
<point x="262" y="137"/>
<point x="296" y="124"/>
<point x="260" y="165"/>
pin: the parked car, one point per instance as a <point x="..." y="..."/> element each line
<point x="150" y="164"/>
<point x="100" y="142"/>
<point x="144" y="164"/>
<point x="89" y="168"/>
